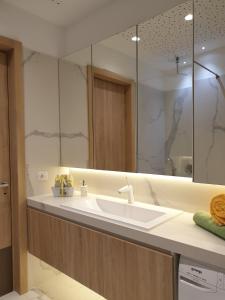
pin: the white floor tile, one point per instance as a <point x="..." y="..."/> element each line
<point x="31" y="295"/>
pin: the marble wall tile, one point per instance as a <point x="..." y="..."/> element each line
<point x="41" y="120"/>
<point x="174" y="192"/>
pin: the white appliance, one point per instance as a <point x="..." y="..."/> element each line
<point x="199" y="282"/>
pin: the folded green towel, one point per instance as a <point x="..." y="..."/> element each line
<point x="205" y="221"/>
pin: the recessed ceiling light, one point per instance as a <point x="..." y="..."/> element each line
<point x="203" y="47"/>
<point x="185" y="62"/>
<point x="135" y="38"/>
<point x="188" y="17"/>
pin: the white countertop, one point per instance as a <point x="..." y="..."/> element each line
<point x="178" y="235"/>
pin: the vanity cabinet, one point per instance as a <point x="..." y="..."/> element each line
<point x="112" y="267"/>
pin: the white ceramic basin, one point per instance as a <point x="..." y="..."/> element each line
<point x="135" y="215"/>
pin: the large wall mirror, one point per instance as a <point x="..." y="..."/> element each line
<point x="165" y="93"/>
<point x="98" y="106"/>
<point x="126" y="102"/>
<point x="209" y="91"/>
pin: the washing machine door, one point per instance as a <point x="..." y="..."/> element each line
<point x="193" y="290"/>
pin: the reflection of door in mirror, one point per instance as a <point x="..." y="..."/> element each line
<point x="111" y="118"/>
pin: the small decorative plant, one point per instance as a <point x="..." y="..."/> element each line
<point x="63" y="186"/>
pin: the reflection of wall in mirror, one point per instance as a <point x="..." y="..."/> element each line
<point x="178" y="145"/>
<point x="73" y="115"/>
<point x="165" y="131"/>
<point x="209" y="91"/>
<point x="172" y="110"/>
<point x="151" y="130"/>
<point x="210" y="130"/>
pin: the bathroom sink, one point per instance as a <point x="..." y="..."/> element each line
<point x="137" y="215"/>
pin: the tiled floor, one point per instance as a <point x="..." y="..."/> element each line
<point x="31" y="295"/>
<point x="59" y="288"/>
<point x="62" y="287"/>
<point x="47" y="283"/>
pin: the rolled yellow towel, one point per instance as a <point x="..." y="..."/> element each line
<point x="217" y="209"/>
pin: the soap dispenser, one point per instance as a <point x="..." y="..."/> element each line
<point x="83" y="189"/>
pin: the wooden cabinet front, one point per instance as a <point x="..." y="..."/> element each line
<point x="5" y="218"/>
<point x="112" y="267"/>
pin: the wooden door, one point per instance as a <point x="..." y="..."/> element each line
<point x="112" y="122"/>
<point x="5" y="207"/>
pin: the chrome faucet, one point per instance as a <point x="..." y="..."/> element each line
<point x="130" y="191"/>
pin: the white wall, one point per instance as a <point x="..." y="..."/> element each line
<point x="35" y="33"/>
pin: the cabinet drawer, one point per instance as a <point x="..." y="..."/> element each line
<point x="112" y="267"/>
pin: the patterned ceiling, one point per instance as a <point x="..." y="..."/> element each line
<point x="209" y="20"/>
<point x="166" y="36"/>
<point x="169" y="35"/>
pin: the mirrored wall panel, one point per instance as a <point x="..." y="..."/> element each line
<point x="209" y="91"/>
<point x="126" y="102"/>
<point x="98" y="106"/>
<point x="165" y="50"/>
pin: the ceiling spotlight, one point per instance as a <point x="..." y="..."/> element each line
<point x="185" y="62"/>
<point x="203" y="47"/>
<point x="188" y="17"/>
<point x="135" y="38"/>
